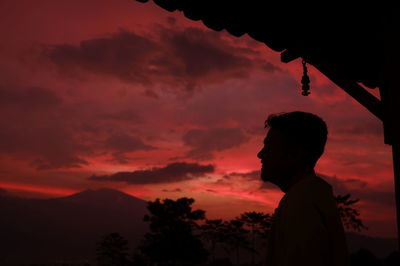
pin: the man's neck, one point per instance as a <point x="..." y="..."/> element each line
<point x="298" y="176"/>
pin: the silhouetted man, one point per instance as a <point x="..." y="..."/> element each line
<point x="306" y="229"/>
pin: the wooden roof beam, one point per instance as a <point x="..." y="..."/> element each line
<point x="360" y="94"/>
<point x="289" y="55"/>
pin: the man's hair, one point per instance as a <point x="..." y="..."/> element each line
<point x="303" y="129"/>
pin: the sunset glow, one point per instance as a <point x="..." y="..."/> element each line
<point x="125" y="95"/>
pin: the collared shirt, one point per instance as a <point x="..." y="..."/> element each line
<point x="307" y="229"/>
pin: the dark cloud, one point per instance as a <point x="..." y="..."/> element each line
<point x="125" y="143"/>
<point x="360" y="189"/>
<point x="386" y="198"/>
<point x="200" y="55"/>
<point x="174" y="172"/>
<point x="123" y="54"/>
<point x="361" y="127"/>
<point x="251" y="176"/>
<point x="123" y="116"/>
<point x="344" y="185"/>
<point x="33" y="129"/>
<point x="29" y="99"/>
<point x="172" y="190"/>
<point x="61" y="161"/>
<point x="204" y="57"/>
<point x="120" y="144"/>
<point x="204" y="142"/>
<point x="51" y="133"/>
<point x="223" y="181"/>
<point x="120" y="158"/>
<point x="47" y="146"/>
<point x="151" y="94"/>
<point x="183" y="59"/>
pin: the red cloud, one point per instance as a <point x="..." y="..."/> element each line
<point x="174" y="172"/>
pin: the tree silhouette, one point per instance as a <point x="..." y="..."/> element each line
<point x="235" y="236"/>
<point x="138" y="259"/>
<point x="213" y="232"/>
<point x="171" y="240"/>
<point x="349" y="215"/>
<point x="112" y="250"/>
<point x="259" y="224"/>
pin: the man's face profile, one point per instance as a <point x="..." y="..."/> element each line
<point x="273" y="157"/>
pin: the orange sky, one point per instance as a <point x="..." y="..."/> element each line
<point x="95" y="88"/>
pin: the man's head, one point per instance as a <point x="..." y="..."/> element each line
<point x="293" y="145"/>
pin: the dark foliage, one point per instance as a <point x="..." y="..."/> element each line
<point x="172" y="239"/>
<point x="112" y="250"/>
<point x="348" y="215"/>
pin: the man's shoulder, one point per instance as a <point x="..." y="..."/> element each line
<point x="312" y="189"/>
<point x="322" y="184"/>
<point x="312" y="184"/>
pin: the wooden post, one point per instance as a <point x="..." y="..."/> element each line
<point x="390" y="98"/>
<point x="396" y="168"/>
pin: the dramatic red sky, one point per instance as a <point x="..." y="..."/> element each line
<point x="120" y="94"/>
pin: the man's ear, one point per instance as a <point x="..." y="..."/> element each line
<point x="298" y="153"/>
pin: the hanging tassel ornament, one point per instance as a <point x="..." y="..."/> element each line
<point x="305" y="80"/>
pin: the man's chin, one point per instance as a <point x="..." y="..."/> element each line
<point x="267" y="176"/>
<point x="264" y="176"/>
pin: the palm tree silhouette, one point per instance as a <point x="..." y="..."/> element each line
<point x="349" y="215"/>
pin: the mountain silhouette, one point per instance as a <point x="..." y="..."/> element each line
<point x="104" y="198"/>
<point x="381" y="247"/>
<point x="66" y="228"/>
